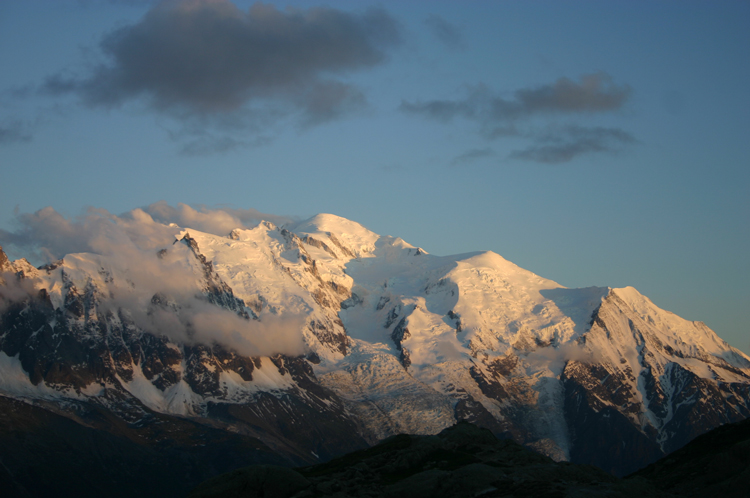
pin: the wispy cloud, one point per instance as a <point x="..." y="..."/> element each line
<point x="447" y="33"/>
<point x="14" y="131"/>
<point x="500" y="117"/>
<point x="594" y="93"/>
<point x="472" y="155"/>
<point x="562" y="145"/>
<point x="216" y="220"/>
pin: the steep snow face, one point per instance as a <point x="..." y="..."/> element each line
<point x="346" y="238"/>
<point x="271" y="270"/>
<point x="660" y="379"/>
<point x="502" y="305"/>
<point x="328" y="318"/>
<point x="260" y="265"/>
<point x="649" y="337"/>
<point x="690" y="339"/>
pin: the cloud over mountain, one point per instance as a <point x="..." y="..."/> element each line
<point x="131" y="242"/>
<point x="47" y="235"/>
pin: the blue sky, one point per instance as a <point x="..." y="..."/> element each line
<point x="593" y="143"/>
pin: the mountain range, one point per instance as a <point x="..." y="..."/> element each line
<point x="293" y="345"/>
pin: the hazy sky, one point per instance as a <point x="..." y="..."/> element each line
<point x="593" y="143"/>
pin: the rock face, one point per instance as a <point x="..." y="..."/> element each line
<point x="323" y="337"/>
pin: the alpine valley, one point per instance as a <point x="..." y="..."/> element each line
<point x="293" y="345"/>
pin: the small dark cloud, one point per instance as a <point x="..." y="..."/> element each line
<point x="500" y="117"/>
<point x="472" y="155"/>
<point x="594" y="93"/>
<point x="564" y="144"/>
<point x="14" y="131"/>
<point x="205" y="59"/>
<point x="59" y="84"/>
<point x="450" y="35"/>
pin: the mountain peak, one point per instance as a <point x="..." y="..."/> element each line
<point x="3" y="260"/>
<point x="325" y="222"/>
<point x="352" y="236"/>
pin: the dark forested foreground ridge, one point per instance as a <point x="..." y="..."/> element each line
<point x="466" y="461"/>
<point x="202" y="353"/>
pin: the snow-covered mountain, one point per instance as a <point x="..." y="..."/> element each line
<point x="320" y="337"/>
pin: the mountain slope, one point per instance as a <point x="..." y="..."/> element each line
<point x="321" y="337"/>
<point x="714" y="464"/>
<point x="88" y="452"/>
<point x="465" y="461"/>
